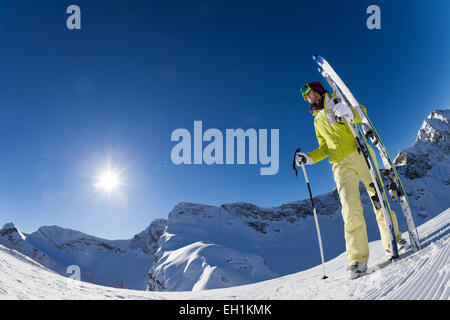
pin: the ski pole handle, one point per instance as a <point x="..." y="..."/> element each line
<point x="294" y="167"/>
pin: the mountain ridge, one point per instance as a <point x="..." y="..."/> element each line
<point x="277" y="235"/>
<point x="202" y="247"/>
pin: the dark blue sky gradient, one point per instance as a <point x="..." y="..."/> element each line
<point x="137" y="70"/>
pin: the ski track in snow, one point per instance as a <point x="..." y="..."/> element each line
<point x="418" y="275"/>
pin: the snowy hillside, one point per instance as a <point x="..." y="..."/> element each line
<point x="421" y="275"/>
<point x="207" y="247"/>
<point x="106" y="262"/>
<point x="425" y="166"/>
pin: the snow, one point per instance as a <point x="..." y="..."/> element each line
<point x="207" y="247"/>
<point x="419" y="275"/>
<point x="425" y="166"/>
<point x="10" y="229"/>
<point x="101" y="261"/>
<point x="243" y="251"/>
<point x="241" y="243"/>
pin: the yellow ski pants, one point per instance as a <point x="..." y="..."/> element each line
<point x="347" y="173"/>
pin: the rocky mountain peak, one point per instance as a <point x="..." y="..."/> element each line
<point x="11" y="234"/>
<point x="435" y="128"/>
<point x="147" y="240"/>
<point x="432" y="146"/>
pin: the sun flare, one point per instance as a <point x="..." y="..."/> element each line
<point x="109" y="181"/>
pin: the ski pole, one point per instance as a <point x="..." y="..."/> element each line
<point x="315" y="215"/>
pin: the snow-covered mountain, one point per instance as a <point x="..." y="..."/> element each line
<point x="425" y="166"/>
<point x="106" y="262"/>
<point x="420" y="275"/>
<point x="207" y="247"/>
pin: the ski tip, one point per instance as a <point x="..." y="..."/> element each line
<point x="318" y="59"/>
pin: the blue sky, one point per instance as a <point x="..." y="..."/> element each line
<point x="73" y="101"/>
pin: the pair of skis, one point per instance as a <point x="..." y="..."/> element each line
<point x="365" y="131"/>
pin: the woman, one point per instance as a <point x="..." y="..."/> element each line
<point x="338" y="144"/>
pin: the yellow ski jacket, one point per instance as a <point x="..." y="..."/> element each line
<point x="335" y="139"/>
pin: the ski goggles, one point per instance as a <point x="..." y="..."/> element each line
<point x="304" y="90"/>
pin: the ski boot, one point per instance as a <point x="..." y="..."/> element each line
<point x="357" y="269"/>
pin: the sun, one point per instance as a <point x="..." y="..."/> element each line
<point x="108" y="181"/>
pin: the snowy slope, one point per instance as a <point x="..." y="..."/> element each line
<point x="207" y="247"/>
<point x="425" y="166"/>
<point x="101" y="261"/>
<point x="421" y="275"/>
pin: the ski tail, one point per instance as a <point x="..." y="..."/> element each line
<point x="404" y="202"/>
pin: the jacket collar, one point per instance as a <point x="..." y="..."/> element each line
<point x="326" y="98"/>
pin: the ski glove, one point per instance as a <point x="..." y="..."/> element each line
<point x="341" y="110"/>
<point x="302" y="158"/>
